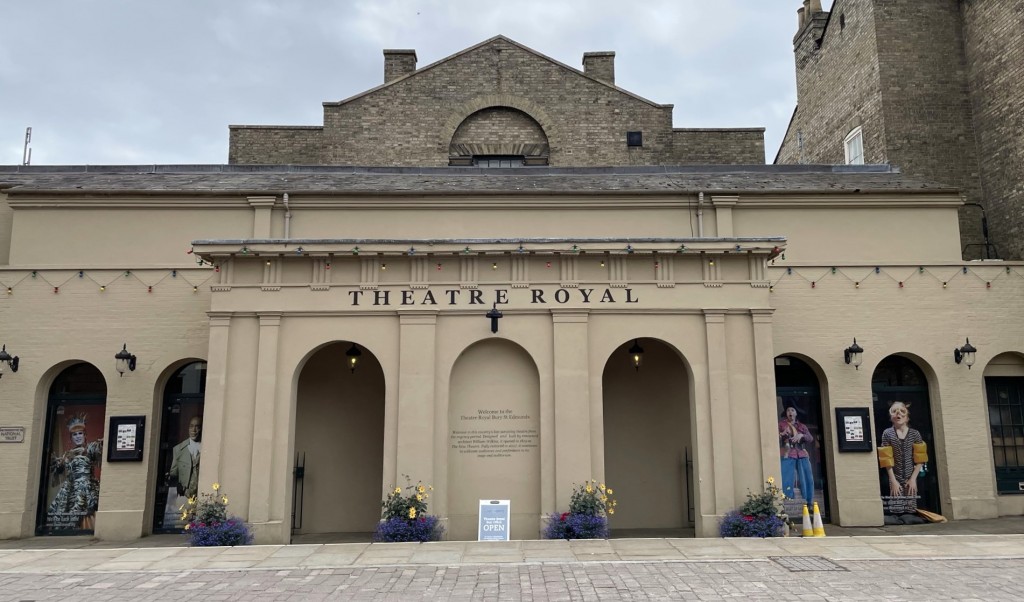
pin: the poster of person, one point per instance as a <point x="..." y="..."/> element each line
<point x="903" y="458"/>
<point x="73" y="467"/>
<point x="800" y="454"/>
<point x="181" y="465"/>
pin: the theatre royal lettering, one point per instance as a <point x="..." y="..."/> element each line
<point x="501" y="296"/>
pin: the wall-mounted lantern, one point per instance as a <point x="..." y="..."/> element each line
<point x="352" y="357"/>
<point x="854" y="354"/>
<point x="965" y="354"/>
<point x="6" y="358"/>
<point x="125" y="360"/>
<point x="636" y="354"/>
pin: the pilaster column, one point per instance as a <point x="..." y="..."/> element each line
<point x="417" y="362"/>
<point x="573" y="461"/>
<point x="723" y="214"/>
<point x="764" y="371"/>
<point x="262" y="207"/>
<point x="721" y="430"/>
<point x="263" y="418"/>
<point x="216" y="396"/>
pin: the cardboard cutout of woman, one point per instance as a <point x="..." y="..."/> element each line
<point x="902" y="455"/>
<point x="77" y="499"/>
<point x="794" y="436"/>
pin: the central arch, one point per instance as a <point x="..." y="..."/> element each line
<point x="494" y="447"/>
<point x="647" y="441"/>
<point x="339" y="442"/>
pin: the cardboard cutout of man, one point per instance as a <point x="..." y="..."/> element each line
<point x="185" y="460"/>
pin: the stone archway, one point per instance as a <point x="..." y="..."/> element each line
<point x="494" y="443"/>
<point x="799" y="384"/>
<point x="339" y="442"/>
<point x="900" y="380"/>
<point x="69" y="489"/>
<point x="647" y="438"/>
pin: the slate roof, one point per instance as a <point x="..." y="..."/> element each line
<point x="330" y="180"/>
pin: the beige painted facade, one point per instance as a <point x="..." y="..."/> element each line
<point x="272" y="322"/>
<point x="272" y="274"/>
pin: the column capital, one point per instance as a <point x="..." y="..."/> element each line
<point x="714" y="315"/>
<point x="762" y="316"/>
<point x="270" y="318"/>
<point x="219" y="318"/>
<point x="570" y="316"/>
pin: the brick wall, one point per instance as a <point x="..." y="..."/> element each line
<point x="296" y="145"/>
<point x="897" y="69"/>
<point x="837" y="89"/>
<point x="718" y="146"/>
<point x="925" y="99"/>
<point x="499" y="131"/>
<point x="994" y="43"/>
<point x="412" y="121"/>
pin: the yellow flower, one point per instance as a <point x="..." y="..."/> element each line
<point x="216" y="486"/>
<point x="771" y="480"/>
<point x="224" y="499"/>
<point x="184" y="515"/>
<point x="421" y="489"/>
<point x="590" y="489"/>
<point x="610" y="491"/>
<point x="419" y="498"/>
<point x="187" y="527"/>
<point x="426" y="495"/>
<point x="192" y="501"/>
<point x="601" y="486"/>
<point x="412" y="512"/>
<point x="398" y="490"/>
<point x="431" y="487"/>
<point x="611" y="511"/>
<point x="604" y="498"/>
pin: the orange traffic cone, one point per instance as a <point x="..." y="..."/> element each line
<point x="819" y="529"/>
<point x="808" y="529"/>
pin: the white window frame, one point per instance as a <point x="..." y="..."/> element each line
<point x="856" y="136"/>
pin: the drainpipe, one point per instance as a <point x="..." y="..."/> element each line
<point x="287" y="218"/>
<point x="700" y="215"/>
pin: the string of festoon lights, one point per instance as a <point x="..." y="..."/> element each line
<point x="900" y="276"/>
<point x="103" y="279"/>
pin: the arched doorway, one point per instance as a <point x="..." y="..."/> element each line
<point x="1004" y="393"/>
<point x="494" y="442"/>
<point x="181" y="436"/>
<point x="802" y="446"/>
<point x="903" y="417"/>
<point x="647" y="445"/>
<point x="339" y="442"/>
<point x="69" y="489"/>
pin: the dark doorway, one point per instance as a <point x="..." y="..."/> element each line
<point x="181" y="430"/>
<point x="797" y="386"/>
<point x="69" y="489"/>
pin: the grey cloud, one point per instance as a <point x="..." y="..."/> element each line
<point x="137" y="82"/>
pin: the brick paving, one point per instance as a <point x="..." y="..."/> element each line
<point x="756" y="579"/>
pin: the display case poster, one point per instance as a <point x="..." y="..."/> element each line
<point x="73" y="467"/>
<point x="854" y="426"/>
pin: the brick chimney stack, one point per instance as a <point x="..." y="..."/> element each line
<point x="398" y="63"/>
<point x="600" y="65"/>
<point x="812" y="21"/>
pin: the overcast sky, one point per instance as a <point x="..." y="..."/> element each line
<point x="137" y="82"/>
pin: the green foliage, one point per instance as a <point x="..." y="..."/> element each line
<point x="592" y="499"/>
<point x="409" y="505"/>
<point x="766" y="503"/>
